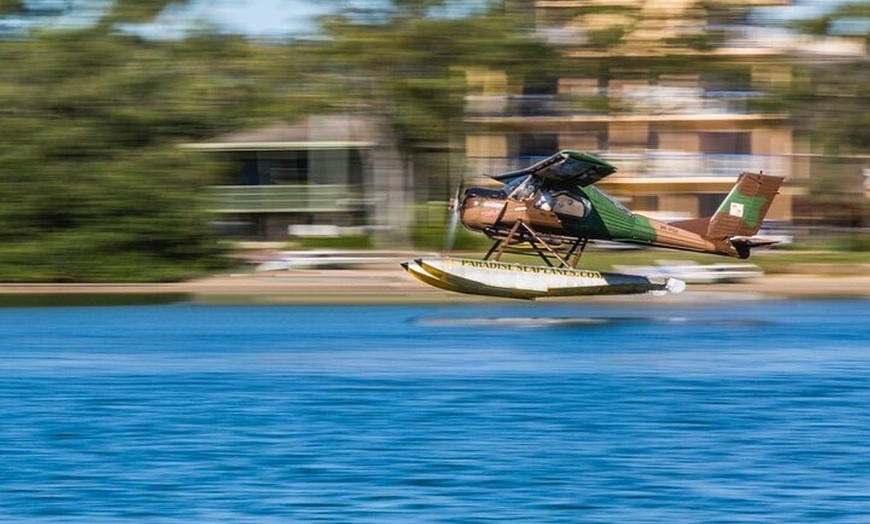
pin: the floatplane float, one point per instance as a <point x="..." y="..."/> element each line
<point x="483" y="277"/>
<point x="552" y="210"/>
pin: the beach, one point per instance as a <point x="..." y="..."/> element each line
<point x="386" y="285"/>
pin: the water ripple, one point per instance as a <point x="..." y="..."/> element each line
<point x="392" y="414"/>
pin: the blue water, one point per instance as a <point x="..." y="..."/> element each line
<point x="730" y="412"/>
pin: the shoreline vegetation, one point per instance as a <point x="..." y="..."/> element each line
<point x="787" y="276"/>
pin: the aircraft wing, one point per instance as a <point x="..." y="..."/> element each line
<point x="582" y="169"/>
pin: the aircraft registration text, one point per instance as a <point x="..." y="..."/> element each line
<point x="540" y="270"/>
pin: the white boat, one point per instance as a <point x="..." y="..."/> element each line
<point x="694" y="273"/>
<point x="324" y="259"/>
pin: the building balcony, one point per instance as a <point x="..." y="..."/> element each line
<point x="671" y="164"/>
<point x="659" y="164"/>
<point x="646" y="100"/>
<point x="313" y="198"/>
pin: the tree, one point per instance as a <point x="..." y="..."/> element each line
<point x="407" y="59"/>
<point x="828" y="101"/>
<point x="93" y="183"/>
<point x="137" y="11"/>
<point x="11" y="7"/>
<point x="831" y="98"/>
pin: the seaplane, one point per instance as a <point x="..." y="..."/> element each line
<point x="551" y="210"/>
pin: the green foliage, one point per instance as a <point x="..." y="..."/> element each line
<point x="823" y="24"/>
<point x="409" y="67"/>
<point x="812" y="26"/>
<point x="706" y="41"/>
<point x="430" y="226"/>
<point x="606" y="38"/>
<point x="829" y="102"/>
<point x="829" y="99"/>
<point x="136" y="11"/>
<point x="11" y="7"/>
<point x="429" y="230"/>
<point x="857" y="242"/>
<point x="93" y="184"/>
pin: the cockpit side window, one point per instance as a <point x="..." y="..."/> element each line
<point x="544" y="200"/>
<point x="511" y="186"/>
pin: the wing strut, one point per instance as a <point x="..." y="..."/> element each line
<point x="499" y="246"/>
<point x="573" y="254"/>
<point x="555" y="252"/>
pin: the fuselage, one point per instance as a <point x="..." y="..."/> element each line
<point x="577" y="212"/>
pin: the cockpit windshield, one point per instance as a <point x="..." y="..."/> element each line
<point x="521" y="188"/>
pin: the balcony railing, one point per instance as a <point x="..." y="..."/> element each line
<point x="655" y="164"/>
<point x="284" y="199"/>
<point x="675" y="164"/>
<point x="647" y="100"/>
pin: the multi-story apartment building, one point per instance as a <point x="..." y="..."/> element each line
<point x="669" y="91"/>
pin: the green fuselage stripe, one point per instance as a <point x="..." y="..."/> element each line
<point x="752" y="207"/>
<point x="611" y="221"/>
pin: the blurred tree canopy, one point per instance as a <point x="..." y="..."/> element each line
<point x="828" y="101"/>
<point x="11" y="6"/>
<point x="137" y="11"/>
<point x="93" y="184"/>
<point x="824" y="24"/>
<point x="404" y="63"/>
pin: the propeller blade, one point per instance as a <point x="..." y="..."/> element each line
<point x="450" y="237"/>
<point x="454" y="208"/>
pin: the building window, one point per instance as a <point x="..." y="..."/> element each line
<point x="287" y="167"/>
<point x="645" y="203"/>
<point x="725" y="143"/>
<point x="535" y="146"/>
<point x="708" y="203"/>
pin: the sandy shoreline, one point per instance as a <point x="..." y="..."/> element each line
<point x="386" y="286"/>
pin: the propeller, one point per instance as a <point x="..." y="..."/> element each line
<point x="455" y="211"/>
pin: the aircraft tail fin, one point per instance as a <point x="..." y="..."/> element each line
<point x="743" y="210"/>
